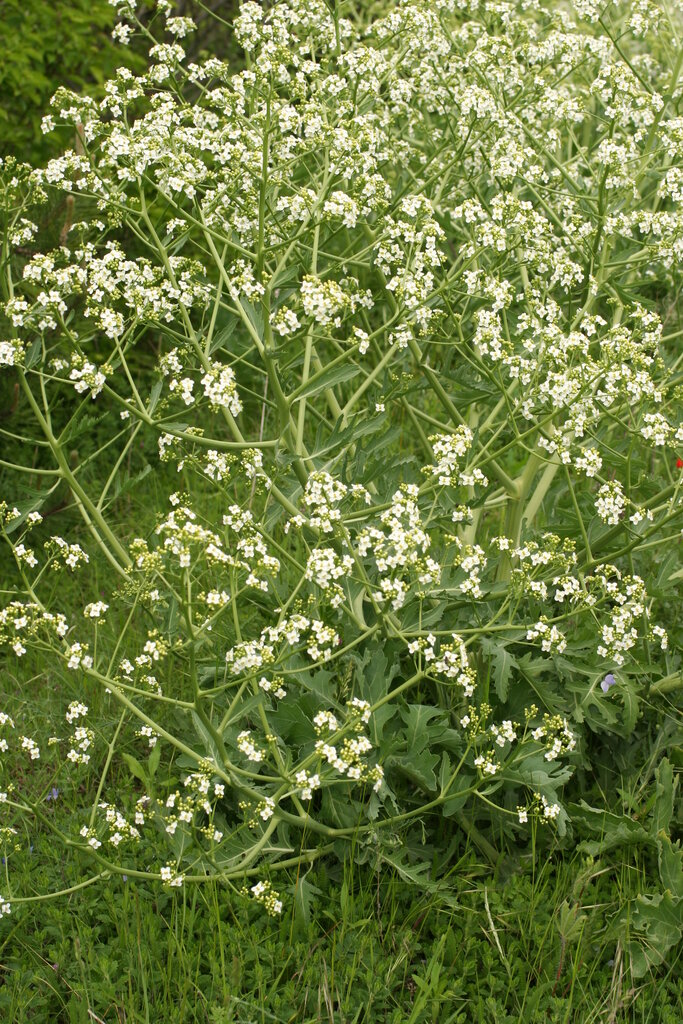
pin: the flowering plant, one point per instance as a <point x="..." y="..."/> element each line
<point x="380" y="313"/>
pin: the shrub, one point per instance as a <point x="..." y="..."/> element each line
<point x="52" y="44"/>
<point x="389" y="302"/>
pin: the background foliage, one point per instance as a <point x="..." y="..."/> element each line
<point x="47" y="45"/>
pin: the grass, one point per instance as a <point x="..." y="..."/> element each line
<point x="533" y="940"/>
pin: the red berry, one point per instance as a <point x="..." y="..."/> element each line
<point x="679" y="463"/>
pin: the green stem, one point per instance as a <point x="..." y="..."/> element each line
<point x="667" y="684"/>
<point x="113" y="550"/>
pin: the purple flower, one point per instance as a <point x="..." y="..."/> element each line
<point x="53" y="794"/>
<point x="608" y="681"/>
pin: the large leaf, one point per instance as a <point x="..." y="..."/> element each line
<point x="339" y="810"/>
<point x="657" y="922"/>
<point x="207" y="739"/>
<point x="459" y="789"/>
<point x="327" y="379"/>
<point x="304" y="893"/>
<point x="136" y="769"/>
<point x="613" y="829"/>
<point x="375" y="673"/>
<point x="255" y="315"/>
<point x="418" y="767"/>
<point x="502" y="664"/>
<point x="663" y="809"/>
<point x="538" y="774"/>
<point x="360" y="426"/>
<point x="670" y="864"/>
<point x="417" y="718"/>
<point x="291" y="722"/>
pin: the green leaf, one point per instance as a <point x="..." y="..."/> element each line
<point x="153" y="760"/>
<point x="375" y="674"/>
<point x="455" y="803"/>
<point x="326" y="379"/>
<point x="232" y="849"/>
<point x="418" y="767"/>
<point x="614" y="829"/>
<point x="658" y="925"/>
<point x="210" y="747"/>
<point x="502" y="665"/>
<point x="670" y="864"/>
<point x="571" y="922"/>
<point x="136" y="768"/>
<point x="154" y="395"/>
<point x="254" y="314"/>
<point x="359" y="427"/>
<point x="417" y="718"/>
<point x="445" y="771"/>
<point x="33" y="353"/>
<point x="414" y="865"/>
<point x="663" y="809"/>
<point x="321" y="683"/>
<point x="458" y="794"/>
<point x="631" y="701"/>
<point x="418" y="873"/>
<point x="536" y="773"/>
<point x="288" y="276"/>
<point x="291" y="722"/>
<point x="80" y="425"/>
<point x="339" y="810"/>
<point x="601" y="712"/>
<point x="304" y="894"/>
<point x="125" y="483"/>
<point x="378" y="721"/>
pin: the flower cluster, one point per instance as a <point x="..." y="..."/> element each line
<point x="451" y="662"/>
<point x="324" y="568"/>
<point x="263" y="892"/>
<point x="25" y="622"/>
<point x="295" y="632"/>
<point x="399" y="547"/>
<point x="450" y="450"/>
<point x="348" y="757"/>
